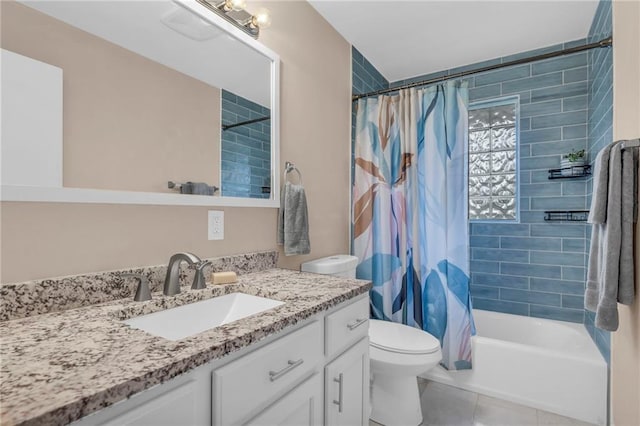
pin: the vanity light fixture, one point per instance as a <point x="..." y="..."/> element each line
<point x="228" y="5"/>
<point x="234" y="11"/>
<point x="262" y="18"/>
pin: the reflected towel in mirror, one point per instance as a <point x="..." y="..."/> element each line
<point x="197" y="188"/>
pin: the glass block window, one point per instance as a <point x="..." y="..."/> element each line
<point x="493" y="161"/>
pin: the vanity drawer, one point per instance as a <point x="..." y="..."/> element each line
<point x="242" y="387"/>
<point x="346" y="326"/>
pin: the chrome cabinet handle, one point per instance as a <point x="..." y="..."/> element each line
<point x="339" y="401"/>
<point x="275" y="375"/>
<point x="357" y="323"/>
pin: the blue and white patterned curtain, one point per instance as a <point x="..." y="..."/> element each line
<point x="410" y="212"/>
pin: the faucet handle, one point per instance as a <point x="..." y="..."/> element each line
<point x="200" y="265"/>
<point x="199" y="281"/>
<point x="142" y="292"/>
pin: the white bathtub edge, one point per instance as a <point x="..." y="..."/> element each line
<point x="439" y="374"/>
<point x="544" y="364"/>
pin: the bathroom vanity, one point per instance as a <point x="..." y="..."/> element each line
<point x="303" y="362"/>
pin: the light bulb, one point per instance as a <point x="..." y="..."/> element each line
<point x="235" y="4"/>
<point x="262" y="19"/>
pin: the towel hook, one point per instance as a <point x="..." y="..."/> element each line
<point x="290" y="167"/>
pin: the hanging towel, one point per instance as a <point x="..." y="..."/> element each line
<point x="610" y="275"/>
<point x="597" y="217"/>
<point x="598" y="212"/>
<point x="197" y="188"/>
<point x="293" y="222"/>
<point x="626" y="290"/>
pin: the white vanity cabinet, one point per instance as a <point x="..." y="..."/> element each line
<point x="347" y="387"/>
<point x="316" y="373"/>
<point x="244" y="387"/>
<point x="347" y="371"/>
<point x="174" y="407"/>
<point x="300" y="407"/>
<point x="184" y="400"/>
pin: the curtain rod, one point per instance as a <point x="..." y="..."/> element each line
<point x="242" y="123"/>
<point x="606" y="42"/>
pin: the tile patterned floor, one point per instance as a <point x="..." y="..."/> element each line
<point x="444" y="405"/>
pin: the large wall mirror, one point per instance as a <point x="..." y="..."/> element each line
<point x="152" y="92"/>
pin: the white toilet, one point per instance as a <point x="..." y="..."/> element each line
<point x="340" y="265"/>
<point x="397" y="352"/>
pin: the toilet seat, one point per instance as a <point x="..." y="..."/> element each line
<point x="403" y="339"/>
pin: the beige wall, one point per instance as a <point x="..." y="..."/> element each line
<point x="625" y="343"/>
<point x="51" y="239"/>
<point x="316" y="119"/>
<point x="129" y="123"/>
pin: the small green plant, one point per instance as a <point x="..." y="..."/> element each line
<point x="574" y="156"/>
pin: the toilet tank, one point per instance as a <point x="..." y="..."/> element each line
<point x="340" y="265"/>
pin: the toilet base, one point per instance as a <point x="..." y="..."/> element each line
<point x="395" y="400"/>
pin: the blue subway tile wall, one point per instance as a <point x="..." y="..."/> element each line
<point x="365" y="78"/>
<point x="535" y="268"/>
<point x="245" y="150"/>
<point x="561" y="109"/>
<point x="600" y="127"/>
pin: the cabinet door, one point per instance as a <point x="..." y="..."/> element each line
<point x="347" y="387"/>
<point x="175" y="407"/>
<point x="300" y="407"/>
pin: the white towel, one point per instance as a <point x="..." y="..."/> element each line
<point x="293" y="220"/>
<point x="610" y="271"/>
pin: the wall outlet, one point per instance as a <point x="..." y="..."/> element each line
<point x="216" y="225"/>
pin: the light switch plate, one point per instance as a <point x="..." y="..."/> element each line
<point x="216" y="225"/>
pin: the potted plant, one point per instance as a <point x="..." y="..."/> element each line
<point x="570" y="161"/>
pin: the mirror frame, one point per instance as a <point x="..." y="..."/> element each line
<point x="102" y="196"/>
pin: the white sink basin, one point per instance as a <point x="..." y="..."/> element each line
<point x="184" y="321"/>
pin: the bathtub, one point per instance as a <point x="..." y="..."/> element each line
<point x="550" y="365"/>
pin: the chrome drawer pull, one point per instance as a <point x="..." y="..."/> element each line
<point x="339" y="401"/>
<point x="357" y="323"/>
<point x="275" y="375"/>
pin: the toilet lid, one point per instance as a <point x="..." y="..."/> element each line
<point x="394" y="337"/>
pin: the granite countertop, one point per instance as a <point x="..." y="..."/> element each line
<point x="61" y="366"/>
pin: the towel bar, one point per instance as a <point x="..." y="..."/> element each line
<point x="630" y="144"/>
<point x="290" y="167"/>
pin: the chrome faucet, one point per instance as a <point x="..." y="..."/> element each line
<point x="172" y="282"/>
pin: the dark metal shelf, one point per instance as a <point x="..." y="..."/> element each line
<point x="570" y="172"/>
<point x="566" y="216"/>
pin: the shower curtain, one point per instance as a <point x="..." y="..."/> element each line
<point x="410" y="212"/>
